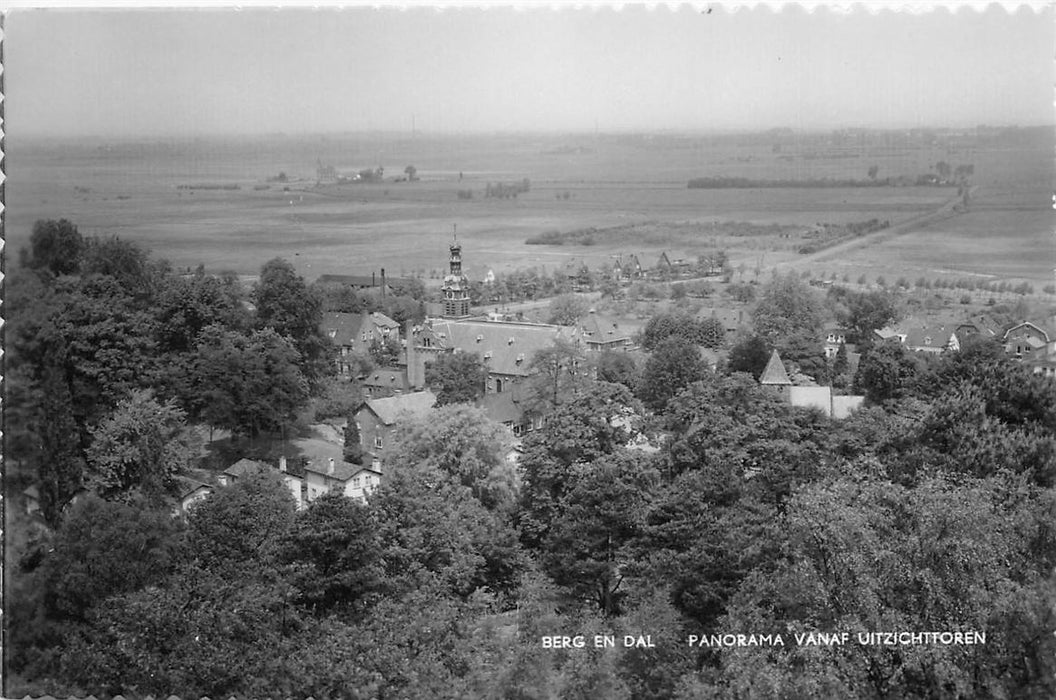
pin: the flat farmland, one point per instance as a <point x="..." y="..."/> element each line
<point x="632" y="190"/>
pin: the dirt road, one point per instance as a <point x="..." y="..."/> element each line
<point x="944" y="212"/>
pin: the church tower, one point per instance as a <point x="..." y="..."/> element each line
<point x="456" y="286"/>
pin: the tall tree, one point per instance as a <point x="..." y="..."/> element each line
<point x="138" y="449"/>
<point x="54" y="246"/>
<point x="567" y="309"/>
<point x="336" y="551"/>
<point x="869" y="311"/>
<point x="286" y="304"/>
<point x="787" y="306"/>
<point x="557" y="372"/>
<point x="353" y="448"/>
<point x="61" y="458"/>
<point x="461" y="441"/>
<point x="456" y="377"/>
<point x="749" y="355"/>
<point x="600" y="512"/>
<point x="105" y="548"/>
<point x="247" y="384"/>
<point x="240" y="528"/>
<point x="674" y="365"/>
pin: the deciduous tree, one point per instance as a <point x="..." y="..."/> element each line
<point x="138" y="449"/>
<point x="456" y="377"/>
<point x="674" y="365"/>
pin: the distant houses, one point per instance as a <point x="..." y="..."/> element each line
<point x="1031" y="342"/>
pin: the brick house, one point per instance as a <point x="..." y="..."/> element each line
<point x="377" y="419"/>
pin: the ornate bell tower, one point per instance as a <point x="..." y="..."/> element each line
<point x="456" y="286"/>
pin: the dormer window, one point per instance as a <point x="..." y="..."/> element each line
<point x="480" y="338"/>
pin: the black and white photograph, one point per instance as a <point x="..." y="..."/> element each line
<point x="399" y="352"/>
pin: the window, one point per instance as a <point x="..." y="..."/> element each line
<point x="498" y="385"/>
<point x="377" y="441"/>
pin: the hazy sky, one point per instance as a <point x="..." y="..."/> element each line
<point x="155" y="72"/>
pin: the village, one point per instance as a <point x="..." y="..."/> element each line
<point x="507" y="346"/>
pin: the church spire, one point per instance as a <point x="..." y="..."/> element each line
<point x="456" y="286"/>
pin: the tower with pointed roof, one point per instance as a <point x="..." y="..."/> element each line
<point x="456" y="286"/>
<point x="775" y="376"/>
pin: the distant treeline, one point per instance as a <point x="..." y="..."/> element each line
<point x="208" y="187"/>
<point x="730" y="183"/>
<point x="502" y="190"/>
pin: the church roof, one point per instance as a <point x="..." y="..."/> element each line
<point x="775" y="372"/>
<point x="506" y="348"/>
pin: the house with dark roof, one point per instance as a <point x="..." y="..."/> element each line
<point x="354" y="333"/>
<point x="377" y="419"/>
<point x="663" y="267"/>
<point x="383" y="382"/>
<point x="337" y="476"/>
<point x="191" y="491"/>
<point x="978" y="326"/>
<point x="292" y="477"/>
<point x="922" y="336"/>
<point x="508" y="409"/>
<point x="600" y="333"/>
<point x="627" y="267"/>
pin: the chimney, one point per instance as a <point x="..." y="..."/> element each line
<point x="383" y="282"/>
<point x="330" y="466"/>
<point x="282" y="464"/>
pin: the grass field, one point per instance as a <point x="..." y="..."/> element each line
<point x="637" y="183"/>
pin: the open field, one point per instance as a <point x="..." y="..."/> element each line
<point x="638" y="183"/>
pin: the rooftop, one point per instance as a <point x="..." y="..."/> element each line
<point x="775" y="373"/>
<point x="505" y="347"/>
<point x="416" y="404"/>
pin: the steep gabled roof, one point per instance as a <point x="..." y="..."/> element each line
<point x="244" y="467"/>
<point x="416" y="404"/>
<point x="775" y="373"/>
<point x="598" y="329"/>
<point x="341" y="327"/>
<point x="928" y="336"/>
